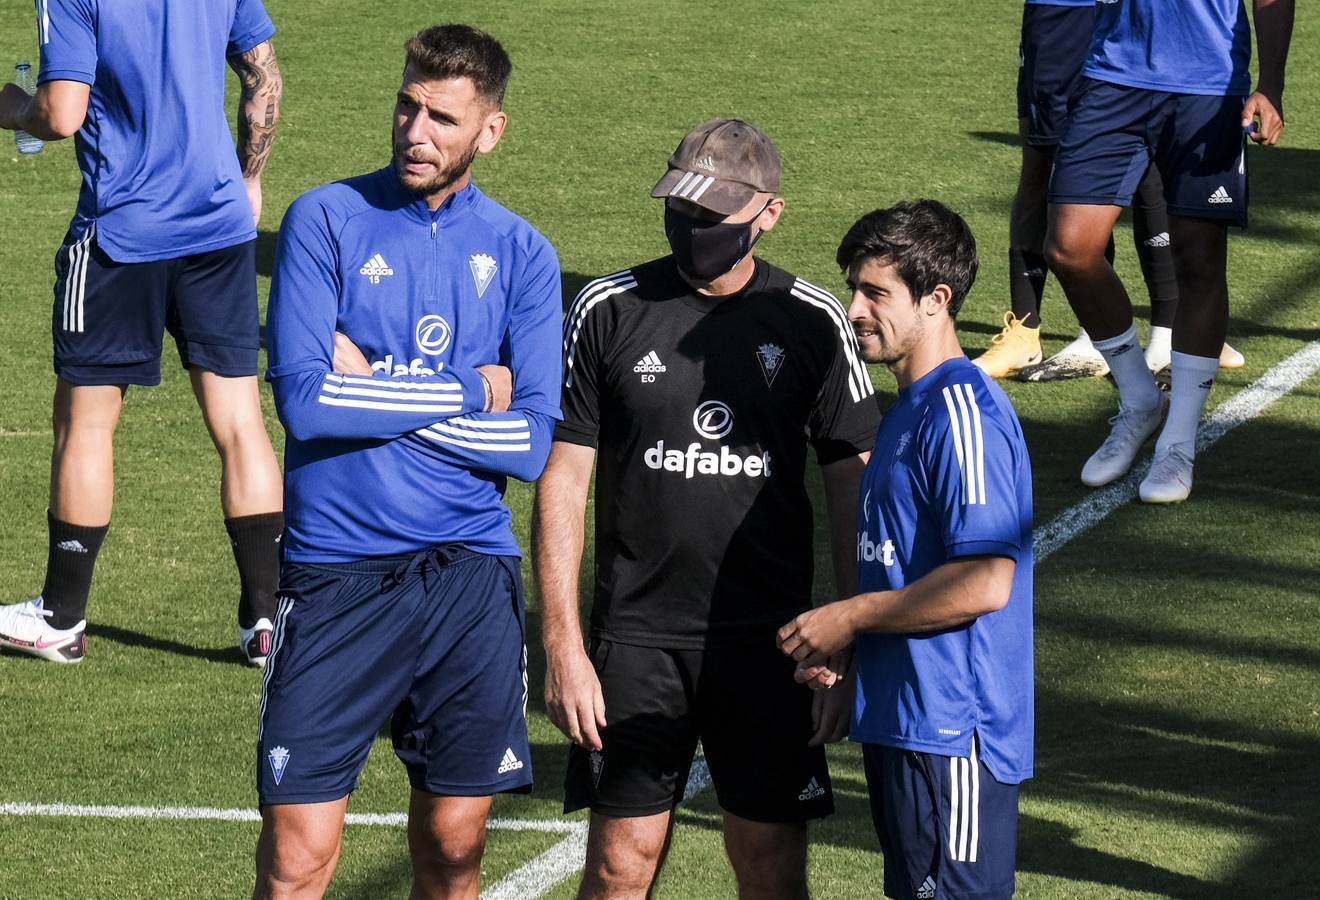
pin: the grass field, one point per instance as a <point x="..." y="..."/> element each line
<point x="1178" y="649"/>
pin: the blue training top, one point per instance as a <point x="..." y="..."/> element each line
<point x="949" y="477"/>
<point x="1200" y="47"/>
<point x="404" y="460"/>
<point x="160" y="176"/>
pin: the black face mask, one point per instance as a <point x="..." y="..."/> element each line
<point x="706" y="250"/>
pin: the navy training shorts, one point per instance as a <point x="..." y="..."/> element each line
<point x="1115" y="132"/>
<point x="1055" y="43"/>
<point x="433" y="643"/>
<point x="948" y="829"/>
<point x="109" y="317"/>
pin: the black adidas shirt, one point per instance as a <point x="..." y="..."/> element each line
<point x="701" y="410"/>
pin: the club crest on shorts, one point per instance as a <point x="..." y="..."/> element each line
<point x="771" y="357"/>
<point x="483" y="268"/>
<point x="279" y="760"/>
<point x="597" y="764"/>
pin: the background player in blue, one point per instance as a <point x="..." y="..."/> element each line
<point x="1165" y="81"/>
<point x="402" y="302"/>
<point x="163" y="239"/>
<point x="1056" y="38"/>
<point x="695" y="384"/>
<point x="943" y="621"/>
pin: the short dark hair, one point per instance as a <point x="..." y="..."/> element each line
<point x="461" y="51"/>
<point x="927" y="243"/>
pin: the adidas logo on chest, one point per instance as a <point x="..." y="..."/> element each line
<point x="649" y="366"/>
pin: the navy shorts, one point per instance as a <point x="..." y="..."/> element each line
<point x="432" y="643"/>
<point x="1055" y="42"/>
<point x="740" y="700"/>
<point x="109" y="317"/>
<point x="1116" y="132"/>
<point x="948" y="829"/>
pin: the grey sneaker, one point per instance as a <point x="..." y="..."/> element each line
<point x="1169" y="479"/>
<point x="1132" y="428"/>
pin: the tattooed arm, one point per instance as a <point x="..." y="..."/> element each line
<point x="258" y="111"/>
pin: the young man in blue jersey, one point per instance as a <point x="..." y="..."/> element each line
<point x="1166" y="82"/>
<point x="404" y="303"/>
<point x="163" y="239"/>
<point x="942" y="626"/>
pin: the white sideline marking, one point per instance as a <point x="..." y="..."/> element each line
<point x="206" y="813"/>
<point x="1244" y="406"/>
<point x="564" y="859"/>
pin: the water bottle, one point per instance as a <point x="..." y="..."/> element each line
<point x="25" y="142"/>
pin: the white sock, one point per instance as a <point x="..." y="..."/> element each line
<point x="1193" y="376"/>
<point x="1136" y="386"/>
<point x="1158" y="347"/>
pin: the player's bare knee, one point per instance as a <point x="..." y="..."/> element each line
<point x="452" y="852"/>
<point x="292" y="858"/>
<point x="620" y="868"/>
<point x="1063" y="254"/>
<point x="768" y="860"/>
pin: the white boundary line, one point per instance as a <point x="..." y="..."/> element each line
<point x="1242" y="407"/>
<point x="565" y="858"/>
<point x="207" y="813"/>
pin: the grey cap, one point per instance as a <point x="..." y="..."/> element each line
<point x="720" y="165"/>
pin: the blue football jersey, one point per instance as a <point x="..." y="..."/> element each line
<point x="404" y="459"/>
<point x="1201" y="47"/>
<point x="949" y="477"/>
<point x="160" y="176"/>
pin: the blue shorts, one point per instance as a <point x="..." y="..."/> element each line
<point x="1055" y="42"/>
<point x="948" y="829"/>
<point x="432" y="643"/>
<point x="1116" y="132"/>
<point x="109" y="317"/>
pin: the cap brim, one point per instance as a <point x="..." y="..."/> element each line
<point x="706" y="191"/>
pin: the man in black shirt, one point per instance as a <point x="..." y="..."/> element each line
<point x="700" y="380"/>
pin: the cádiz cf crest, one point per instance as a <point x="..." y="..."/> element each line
<point x="771" y="357"/>
<point x="483" y="270"/>
<point x="279" y="759"/>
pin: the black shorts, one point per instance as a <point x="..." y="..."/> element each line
<point x="752" y="719"/>
<point x="109" y="317"/>
<point x="1055" y="42"/>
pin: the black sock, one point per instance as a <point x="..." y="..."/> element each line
<point x="70" y="559"/>
<point x="1150" y="228"/>
<point x="1026" y="284"/>
<point x="256" y="543"/>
